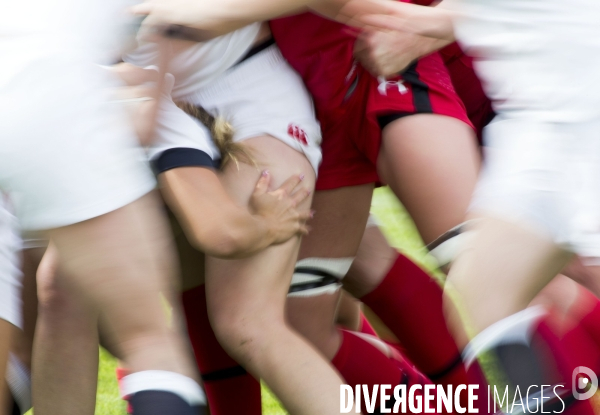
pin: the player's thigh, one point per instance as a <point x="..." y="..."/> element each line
<point x="339" y="222"/>
<point x="191" y="261"/>
<point x="268" y="153"/>
<point x="337" y="229"/>
<point x="501" y="269"/>
<point x="121" y="261"/>
<point x="431" y="162"/>
<point x="260" y="282"/>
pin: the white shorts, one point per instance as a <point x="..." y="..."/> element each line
<point x="264" y="96"/>
<point x="547" y="174"/>
<point x="66" y="153"/>
<point x="10" y="270"/>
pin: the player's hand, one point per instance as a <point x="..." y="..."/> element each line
<point x="137" y="96"/>
<point x="434" y="22"/>
<point x="141" y="97"/>
<point x="386" y="53"/>
<point x="279" y="208"/>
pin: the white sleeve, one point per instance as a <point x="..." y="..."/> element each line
<point x="177" y="130"/>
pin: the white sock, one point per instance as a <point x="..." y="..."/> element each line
<point x="162" y="380"/>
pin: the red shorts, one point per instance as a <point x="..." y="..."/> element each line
<point x="468" y="87"/>
<point x="350" y="103"/>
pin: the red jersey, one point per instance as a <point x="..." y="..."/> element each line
<point x="351" y="104"/>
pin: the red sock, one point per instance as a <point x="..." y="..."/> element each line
<point x="121" y="373"/>
<point x="558" y="362"/>
<point x="409" y="302"/>
<point x="365" y="326"/>
<point x="230" y="390"/>
<point x="582" y="338"/>
<point x="581" y="348"/>
<point x="361" y="363"/>
<point x="590" y="319"/>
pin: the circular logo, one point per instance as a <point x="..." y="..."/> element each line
<point x="585" y="383"/>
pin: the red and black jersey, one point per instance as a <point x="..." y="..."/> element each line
<point x="352" y="105"/>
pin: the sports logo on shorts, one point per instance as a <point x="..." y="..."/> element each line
<point x="384" y="84"/>
<point x="298" y="133"/>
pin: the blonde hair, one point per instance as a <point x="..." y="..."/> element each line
<point x="222" y="135"/>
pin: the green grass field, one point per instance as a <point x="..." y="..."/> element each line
<point x="398" y="228"/>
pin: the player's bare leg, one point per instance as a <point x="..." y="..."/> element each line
<point x="118" y="262"/>
<point x="66" y="345"/>
<point x="431" y="162"/>
<point x="337" y="229"/>
<point x="6" y="330"/>
<point x="246" y="299"/>
<point x="503" y="255"/>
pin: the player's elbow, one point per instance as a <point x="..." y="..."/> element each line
<point x="220" y="240"/>
<point x="228" y="246"/>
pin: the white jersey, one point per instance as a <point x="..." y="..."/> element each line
<point x="261" y="95"/>
<point x="67" y="154"/>
<point x="199" y="64"/>
<point x="537" y="58"/>
<point x="65" y="32"/>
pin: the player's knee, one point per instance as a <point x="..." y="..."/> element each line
<point x="242" y="333"/>
<point x="52" y="296"/>
<point x="313" y="297"/>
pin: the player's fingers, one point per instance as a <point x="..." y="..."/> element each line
<point x="263" y="183"/>
<point x="290" y="184"/>
<point x="426" y="21"/>
<point x="142" y="9"/>
<point x="134" y="75"/>
<point x="168" y="84"/>
<point x="360" y="46"/>
<point x="304" y="230"/>
<point x="351" y="13"/>
<point x="299" y="196"/>
<point x="306" y="215"/>
<point x="351" y="31"/>
<point x="141" y="91"/>
<point x="130" y="95"/>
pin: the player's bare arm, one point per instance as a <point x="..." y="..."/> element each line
<point x="203" y="19"/>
